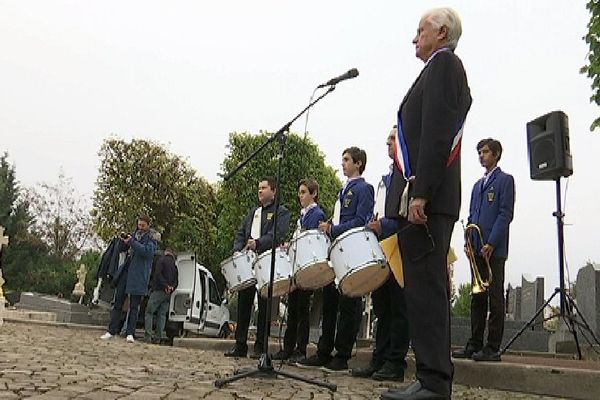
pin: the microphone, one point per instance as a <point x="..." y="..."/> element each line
<point x="353" y="73"/>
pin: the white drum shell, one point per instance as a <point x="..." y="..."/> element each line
<point x="282" y="277"/>
<point x="359" y="262"/>
<point x="309" y="257"/>
<point x="238" y="272"/>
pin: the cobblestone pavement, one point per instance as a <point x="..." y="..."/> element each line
<point x="46" y="362"/>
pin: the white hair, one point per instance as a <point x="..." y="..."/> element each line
<point x="449" y="18"/>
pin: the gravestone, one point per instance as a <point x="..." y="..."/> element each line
<point x="532" y="299"/>
<point x="513" y="308"/>
<point x="588" y="295"/>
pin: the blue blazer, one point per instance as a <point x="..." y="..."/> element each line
<point x="492" y="208"/>
<point x="358" y="200"/>
<point x="312" y="218"/>
<point x="389" y="226"/>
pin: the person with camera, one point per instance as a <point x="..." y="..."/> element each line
<point x="164" y="281"/>
<point x="133" y="277"/>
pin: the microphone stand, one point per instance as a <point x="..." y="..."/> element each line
<point x="265" y="366"/>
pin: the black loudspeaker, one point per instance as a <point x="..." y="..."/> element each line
<point x="548" y="144"/>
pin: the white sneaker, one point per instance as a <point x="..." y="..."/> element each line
<point x="130" y="339"/>
<point x="106" y="336"/>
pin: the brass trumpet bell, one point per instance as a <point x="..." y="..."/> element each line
<point x="478" y="284"/>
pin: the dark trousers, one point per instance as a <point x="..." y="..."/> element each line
<point x="392" y="336"/>
<point x="342" y="314"/>
<point x="117" y="315"/>
<point x="424" y="254"/>
<point x="244" y="312"/>
<point x="493" y="300"/>
<point x="298" y="324"/>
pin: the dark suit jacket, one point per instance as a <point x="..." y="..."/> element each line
<point x="265" y="241"/>
<point x="431" y="114"/>
<point x="491" y="208"/>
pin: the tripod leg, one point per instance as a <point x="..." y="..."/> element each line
<point x="582" y="318"/>
<point x="223" y="381"/>
<point x="330" y="386"/>
<point x="529" y="323"/>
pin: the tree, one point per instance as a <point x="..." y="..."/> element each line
<point x="592" y="69"/>
<point x="236" y="196"/>
<point x="462" y="304"/>
<point x="143" y="177"/>
<point x="62" y="219"/>
<point x="25" y="250"/>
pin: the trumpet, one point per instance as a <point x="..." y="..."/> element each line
<point x="479" y="285"/>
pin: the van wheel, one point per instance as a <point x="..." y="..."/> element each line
<point x="224" y="332"/>
<point x="174" y="329"/>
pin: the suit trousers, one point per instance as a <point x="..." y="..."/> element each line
<point x="492" y="300"/>
<point x="392" y="336"/>
<point x="341" y="322"/>
<point x="117" y="315"/>
<point x="298" y="324"/>
<point x="244" y="312"/>
<point x="424" y="249"/>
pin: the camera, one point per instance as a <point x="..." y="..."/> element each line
<point x="124" y="235"/>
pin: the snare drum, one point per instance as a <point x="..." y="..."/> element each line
<point x="237" y="271"/>
<point x="358" y="261"/>
<point x="282" y="277"/>
<point x="308" y="254"/>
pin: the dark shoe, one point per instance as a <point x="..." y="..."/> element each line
<point x="336" y="365"/>
<point x="296" y="357"/>
<point x="414" y="391"/>
<point x="364" y="372"/>
<point x="314" y="361"/>
<point x="466" y="352"/>
<point x="486" y="354"/>
<point x="281" y="355"/>
<point x="389" y="372"/>
<point x="236" y="352"/>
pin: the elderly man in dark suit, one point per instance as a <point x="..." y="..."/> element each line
<point x="430" y="121"/>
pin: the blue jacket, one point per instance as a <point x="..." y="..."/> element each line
<point x="312" y="218"/>
<point x="357" y="200"/>
<point x="492" y="208"/>
<point x="142" y="254"/>
<point x="389" y="226"/>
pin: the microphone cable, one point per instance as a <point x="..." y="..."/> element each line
<point x="312" y="96"/>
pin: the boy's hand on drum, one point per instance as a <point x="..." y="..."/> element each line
<point x="375" y="226"/>
<point x="325" y="227"/>
<point x="251" y="244"/>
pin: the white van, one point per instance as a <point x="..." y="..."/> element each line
<point x="196" y="306"/>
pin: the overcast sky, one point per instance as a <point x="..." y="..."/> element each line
<point x="187" y="73"/>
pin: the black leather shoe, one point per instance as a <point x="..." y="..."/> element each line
<point x="389" y="372"/>
<point x="414" y="391"/>
<point x="486" y="354"/>
<point x="466" y="352"/>
<point x="235" y="352"/>
<point x="364" y="372"/>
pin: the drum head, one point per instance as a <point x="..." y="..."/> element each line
<point x="363" y="280"/>
<point x="314" y="277"/>
<point x="280" y="287"/>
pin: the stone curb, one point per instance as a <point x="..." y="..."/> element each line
<point x="69" y="325"/>
<point x="570" y="383"/>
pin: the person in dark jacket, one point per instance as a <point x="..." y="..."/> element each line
<point x="165" y="280"/>
<point x="430" y="122"/>
<point x="491" y="209"/>
<point x="256" y="233"/>
<point x="134" y="277"/>
<point x="341" y="313"/>
<point x="297" y="332"/>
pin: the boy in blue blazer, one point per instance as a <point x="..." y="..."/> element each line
<point x="491" y="208"/>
